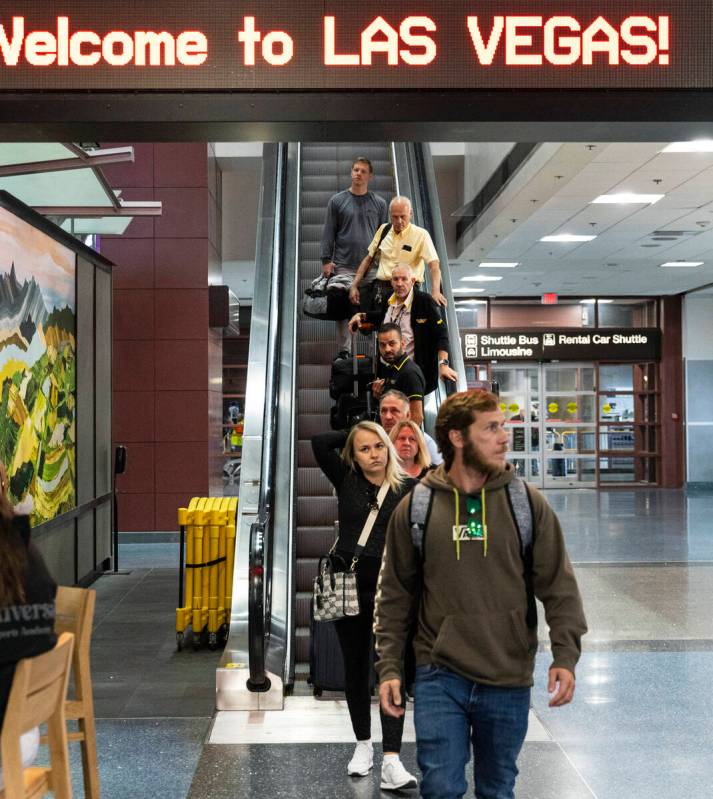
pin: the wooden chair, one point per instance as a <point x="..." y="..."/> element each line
<point x="38" y="694"/>
<point x="75" y="614"/>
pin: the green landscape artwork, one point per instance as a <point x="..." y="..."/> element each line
<point x="37" y="369"/>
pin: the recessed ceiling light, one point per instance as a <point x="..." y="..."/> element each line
<point x="471" y="302"/>
<point x="592" y="301"/>
<point x="683" y="263"/>
<point x="498" y="264"/>
<point x="482" y="278"/>
<point x="567" y="238"/>
<point x="627" y="198"/>
<point x="465" y="290"/>
<point x="696" y="146"/>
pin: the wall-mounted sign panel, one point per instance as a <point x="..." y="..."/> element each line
<point x="563" y="344"/>
<point x="257" y="46"/>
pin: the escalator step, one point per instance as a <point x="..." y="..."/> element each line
<point x="316" y="511"/>
<point x="306" y="572"/>
<point x="315" y="330"/>
<point x="302" y="645"/>
<point x="313" y="400"/>
<point x="302" y="608"/>
<point x="313" y="542"/>
<point x="313" y="483"/>
<point x="317" y="352"/>
<point x="309" y="424"/>
<point x="314" y="376"/>
<point x="305" y="456"/>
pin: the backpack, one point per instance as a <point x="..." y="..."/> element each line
<point x="521" y="509"/>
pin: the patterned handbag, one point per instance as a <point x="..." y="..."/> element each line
<point x="336" y="593"/>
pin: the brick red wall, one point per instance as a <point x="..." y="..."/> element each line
<point x="163" y="351"/>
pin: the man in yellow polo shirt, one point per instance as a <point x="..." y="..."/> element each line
<point x="404" y="243"/>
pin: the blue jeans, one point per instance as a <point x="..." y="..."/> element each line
<point x="450" y="712"/>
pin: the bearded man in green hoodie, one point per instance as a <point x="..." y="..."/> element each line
<point x="465" y="582"/>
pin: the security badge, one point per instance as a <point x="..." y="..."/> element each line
<point x="474" y="529"/>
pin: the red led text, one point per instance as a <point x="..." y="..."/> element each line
<point x="564" y="41"/>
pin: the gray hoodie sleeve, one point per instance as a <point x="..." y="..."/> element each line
<point x="397" y="593"/>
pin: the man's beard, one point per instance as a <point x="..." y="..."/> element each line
<point x="473" y="460"/>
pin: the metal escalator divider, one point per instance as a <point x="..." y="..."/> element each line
<point x="325" y="169"/>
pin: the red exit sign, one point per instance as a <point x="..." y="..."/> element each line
<point x="549" y="299"/>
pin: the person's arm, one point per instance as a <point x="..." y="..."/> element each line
<point x="327" y="448"/>
<point x="329" y="233"/>
<point x="434" y="268"/>
<point x="416" y="410"/>
<point x="445" y="371"/>
<point x="396" y="603"/>
<point x="556" y="587"/>
<point x="358" y="277"/>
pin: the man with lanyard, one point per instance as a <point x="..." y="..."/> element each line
<point x="467" y="553"/>
<point x="403" y="243"/>
<point x="353" y="215"/>
<point x="425" y="334"/>
<point x="397" y="371"/>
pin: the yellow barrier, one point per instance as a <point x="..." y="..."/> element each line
<point x="207" y="528"/>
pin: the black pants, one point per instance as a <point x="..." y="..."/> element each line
<point x="357" y="643"/>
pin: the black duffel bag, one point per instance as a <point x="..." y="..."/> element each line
<point x="343" y="379"/>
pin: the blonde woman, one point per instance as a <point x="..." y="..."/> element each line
<point x="410" y="446"/>
<point x="357" y="465"/>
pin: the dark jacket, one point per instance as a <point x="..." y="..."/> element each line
<point x="430" y="333"/>
<point x="26" y="630"/>
<point x="355" y="495"/>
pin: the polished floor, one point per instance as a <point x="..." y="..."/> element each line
<point x="641" y="725"/>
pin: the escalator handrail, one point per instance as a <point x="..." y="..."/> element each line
<point x="430" y="209"/>
<point x="261" y="530"/>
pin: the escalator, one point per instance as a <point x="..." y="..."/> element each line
<point x="286" y="512"/>
<point x="325" y="170"/>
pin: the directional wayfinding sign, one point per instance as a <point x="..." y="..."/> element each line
<point x="563" y="344"/>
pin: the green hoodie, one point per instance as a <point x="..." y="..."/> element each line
<point x="471" y="614"/>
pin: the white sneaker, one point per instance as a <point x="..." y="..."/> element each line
<point x="394" y="776"/>
<point x="363" y="760"/>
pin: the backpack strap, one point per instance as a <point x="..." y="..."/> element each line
<point x="524" y="522"/>
<point x="522" y="512"/>
<point x="421" y="501"/>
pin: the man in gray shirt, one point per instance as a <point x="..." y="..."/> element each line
<point x="353" y="217"/>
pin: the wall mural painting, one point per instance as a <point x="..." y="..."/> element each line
<point x="38" y="376"/>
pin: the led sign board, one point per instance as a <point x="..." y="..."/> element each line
<point x="317" y="44"/>
<point x="563" y="344"/>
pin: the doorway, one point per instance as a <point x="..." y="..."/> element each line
<point x="550" y="412"/>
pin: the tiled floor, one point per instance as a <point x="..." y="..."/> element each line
<point x="640" y="726"/>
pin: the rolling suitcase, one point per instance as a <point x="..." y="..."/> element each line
<point x="326" y="666"/>
<point x="352" y="391"/>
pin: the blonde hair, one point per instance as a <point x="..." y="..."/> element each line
<point x="395" y="475"/>
<point x="423" y="456"/>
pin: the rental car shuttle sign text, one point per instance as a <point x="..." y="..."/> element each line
<point x="318" y="44"/>
<point x="573" y="344"/>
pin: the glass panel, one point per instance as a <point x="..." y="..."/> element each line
<point x="570" y="471"/>
<point x="617" y="437"/>
<point x="527" y="468"/>
<point x="616" y="470"/>
<point x="570" y="378"/>
<point x="471" y="313"/>
<point x="578" y="440"/>
<point x="569" y="408"/>
<point x="616" y="408"/>
<point x="618" y="377"/>
<point x="627" y="313"/>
